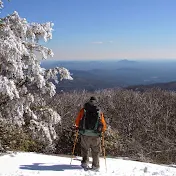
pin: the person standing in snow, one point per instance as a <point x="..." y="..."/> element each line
<point x="91" y="124"/>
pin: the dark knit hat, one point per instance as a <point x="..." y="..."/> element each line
<point x="93" y="99"/>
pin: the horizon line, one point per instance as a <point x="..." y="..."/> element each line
<point x="137" y="60"/>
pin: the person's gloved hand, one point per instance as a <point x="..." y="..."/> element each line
<point x="75" y="127"/>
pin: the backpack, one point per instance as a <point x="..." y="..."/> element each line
<point x="90" y="123"/>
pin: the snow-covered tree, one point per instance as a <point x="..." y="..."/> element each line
<point x="23" y="83"/>
<point x="1" y="4"/>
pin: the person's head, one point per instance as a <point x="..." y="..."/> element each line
<point x="93" y="100"/>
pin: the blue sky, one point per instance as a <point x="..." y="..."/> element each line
<point x="105" y="29"/>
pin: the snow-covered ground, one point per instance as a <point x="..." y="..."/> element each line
<point x="32" y="164"/>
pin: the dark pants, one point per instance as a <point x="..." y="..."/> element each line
<point x="94" y="143"/>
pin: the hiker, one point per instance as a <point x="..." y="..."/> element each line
<point x="91" y="124"/>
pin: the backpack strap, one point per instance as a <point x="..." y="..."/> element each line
<point x="84" y="120"/>
<point x="98" y="119"/>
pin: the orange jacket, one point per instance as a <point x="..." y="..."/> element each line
<point x="80" y="115"/>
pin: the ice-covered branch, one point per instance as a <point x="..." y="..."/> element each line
<point x="8" y="88"/>
<point x="63" y="73"/>
<point x="1" y="4"/>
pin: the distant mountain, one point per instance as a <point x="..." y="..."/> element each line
<point x="85" y="80"/>
<point x="88" y="65"/>
<point x="164" y="86"/>
<point x="125" y="61"/>
<point x="93" y="75"/>
<point x="128" y="69"/>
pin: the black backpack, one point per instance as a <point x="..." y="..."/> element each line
<point x="91" y="119"/>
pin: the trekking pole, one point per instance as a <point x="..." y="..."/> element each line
<point x="101" y="148"/>
<point x="76" y="139"/>
<point x="104" y="152"/>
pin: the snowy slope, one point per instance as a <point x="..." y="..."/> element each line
<point x="31" y="164"/>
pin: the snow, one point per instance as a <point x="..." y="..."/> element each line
<point x="31" y="164"/>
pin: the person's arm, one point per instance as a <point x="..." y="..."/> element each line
<point x="103" y="122"/>
<point x="79" y="117"/>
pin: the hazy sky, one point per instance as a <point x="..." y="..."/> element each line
<point x="105" y="29"/>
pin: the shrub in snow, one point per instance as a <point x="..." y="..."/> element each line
<point x="22" y="81"/>
<point x="141" y="125"/>
<point x="19" y="139"/>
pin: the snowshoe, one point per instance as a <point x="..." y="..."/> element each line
<point x="94" y="168"/>
<point x="85" y="166"/>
